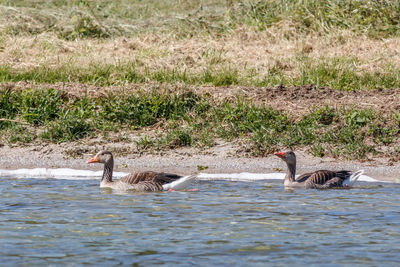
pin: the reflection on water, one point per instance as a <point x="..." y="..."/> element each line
<point x="58" y="222"/>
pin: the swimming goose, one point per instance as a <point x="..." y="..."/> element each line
<point x="322" y="179"/>
<point x="140" y="181"/>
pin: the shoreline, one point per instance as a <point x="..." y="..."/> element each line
<point x="188" y="161"/>
<point x="257" y="121"/>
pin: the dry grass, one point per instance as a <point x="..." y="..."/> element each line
<point x="244" y="50"/>
<point x="251" y="43"/>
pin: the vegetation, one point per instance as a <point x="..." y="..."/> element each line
<point x="376" y="18"/>
<point x="343" y="45"/>
<point x="331" y="43"/>
<point x="104" y="19"/>
<point x="188" y="119"/>
<point x="336" y="74"/>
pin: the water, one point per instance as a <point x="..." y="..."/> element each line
<point x="225" y="223"/>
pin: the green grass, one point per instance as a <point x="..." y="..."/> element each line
<point x="342" y="74"/>
<point x="376" y="18"/>
<point x="188" y="119"/>
<point x="337" y="73"/>
<point x="104" y="18"/>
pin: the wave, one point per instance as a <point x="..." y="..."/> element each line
<point x="73" y="174"/>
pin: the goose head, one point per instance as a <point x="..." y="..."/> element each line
<point x="101" y="157"/>
<point x="289" y="157"/>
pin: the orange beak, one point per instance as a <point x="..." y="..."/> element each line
<point x="280" y="154"/>
<point x="93" y="160"/>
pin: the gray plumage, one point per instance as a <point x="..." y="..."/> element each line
<point x="140" y="181"/>
<point x="321" y="179"/>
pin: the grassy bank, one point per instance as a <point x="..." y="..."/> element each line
<point x="345" y="45"/>
<point x="186" y="119"/>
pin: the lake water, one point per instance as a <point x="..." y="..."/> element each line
<point x="53" y="221"/>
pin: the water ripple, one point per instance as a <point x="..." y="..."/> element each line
<point x="74" y="222"/>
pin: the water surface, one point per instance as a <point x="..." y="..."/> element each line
<point x="225" y="223"/>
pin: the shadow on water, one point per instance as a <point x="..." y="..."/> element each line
<point x="74" y="222"/>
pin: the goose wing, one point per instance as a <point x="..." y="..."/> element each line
<point x="319" y="177"/>
<point x="149" y="186"/>
<point x="325" y="177"/>
<point x="304" y="177"/>
<point x="166" y="178"/>
<point x="149" y="176"/>
<point x="135" y="178"/>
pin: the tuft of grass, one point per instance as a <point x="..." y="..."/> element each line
<point x="145" y="109"/>
<point x="20" y="134"/>
<point x="8" y="109"/>
<point x="68" y="129"/>
<point x="144" y="143"/>
<point x="38" y="107"/>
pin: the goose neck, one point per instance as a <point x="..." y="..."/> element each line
<point x="291" y="173"/>
<point x="108" y="171"/>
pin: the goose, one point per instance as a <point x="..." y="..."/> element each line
<point x="321" y="179"/>
<point x="139" y="181"/>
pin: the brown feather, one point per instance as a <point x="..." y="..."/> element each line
<point x="324" y="177"/>
<point x="319" y="179"/>
<point x="140" y="181"/>
<point x="149" y="176"/>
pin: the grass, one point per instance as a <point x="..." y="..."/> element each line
<point x="376" y="18"/>
<point x="104" y="19"/>
<point x="337" y="74"/>
<point x="345" y="45"/>
<point x="336" y="44"/>
<point x="187" y="119"/>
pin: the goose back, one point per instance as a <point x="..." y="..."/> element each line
<point x="149" y="176"/>
<point x="323" y="177"/>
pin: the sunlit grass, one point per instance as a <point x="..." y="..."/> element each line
<point x="329" y="43"/>
<point x="343" y="45"/>
<point x="336" y="73"/>
<point x="104" y="19"/>
<point x="188" y="119"/>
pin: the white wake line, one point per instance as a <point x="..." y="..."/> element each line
<point x="73" y="174"/>
<point x="246" y="176"/>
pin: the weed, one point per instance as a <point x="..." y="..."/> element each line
<point x="37" y="107"/>
<point x="359" y="118"/>
<point x="201" y="167"/>
<point x="65" y="130"/>
<point x="20" y="134"/>
<point x="144" y="143"/>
